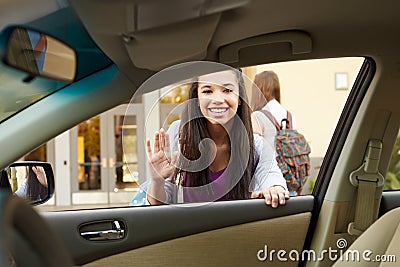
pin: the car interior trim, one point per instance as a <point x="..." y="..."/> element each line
<point x="339" y="137"/>
<point x="300" y="42"/>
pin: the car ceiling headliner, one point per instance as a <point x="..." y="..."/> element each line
<point x="335" y="29"/>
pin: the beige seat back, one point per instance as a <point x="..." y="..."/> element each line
<point x="382" y="238"/>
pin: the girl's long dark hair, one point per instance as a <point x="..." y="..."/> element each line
<point x="35" y="189"/>
<point x="195" y="130"/>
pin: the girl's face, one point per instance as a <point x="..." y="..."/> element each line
<point x="218" y="95"/>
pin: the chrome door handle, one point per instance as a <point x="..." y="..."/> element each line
<point x="113" y="234"/>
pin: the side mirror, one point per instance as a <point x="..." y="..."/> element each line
<point x="30" y="180"/>
<point x="40" y="55"/>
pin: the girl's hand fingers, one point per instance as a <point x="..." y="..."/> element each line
<point x="274" y="197"/>
<point x="287" y="194"/>
<point x="162" y="139"/>
<point x="167" y="147"/>
<point x="281" y="196"/>
<point x="148" y="146"/>
<point x="156" y="142"/>
<point x="256" y="194"/>
<point x="267" y="196"/>
<point x="40" y="175"/>
<point x="281" y="193"/>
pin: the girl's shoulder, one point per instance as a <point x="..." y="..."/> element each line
<point x="175" y="124"/>
<point x="173" y="132"/>
<point x="173" y="129"/>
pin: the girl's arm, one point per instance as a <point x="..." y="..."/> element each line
<point x="268" y="181"/>
<point x="22" y="189"/>
<point x="162" y="166"/>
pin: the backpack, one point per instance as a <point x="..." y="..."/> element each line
<point x="292" y="153"/>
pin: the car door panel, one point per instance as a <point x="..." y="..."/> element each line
<point x="182" y="227"/>
<point x="238" y="245"/>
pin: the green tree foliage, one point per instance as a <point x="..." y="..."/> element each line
<point x="392" y="180"/>
<point x="311" y="184"/>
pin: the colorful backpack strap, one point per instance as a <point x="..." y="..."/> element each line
<point x="271" y="118"/>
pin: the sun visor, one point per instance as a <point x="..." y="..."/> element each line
<point x="156" y="33"/>
<point x="162" y="33"/>
<point x="164" y="46"/>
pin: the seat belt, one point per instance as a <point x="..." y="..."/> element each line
<point x="366" y="178"/>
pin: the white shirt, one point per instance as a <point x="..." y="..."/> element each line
<point x="22" y="190"/>
<point x="268" y="129"/>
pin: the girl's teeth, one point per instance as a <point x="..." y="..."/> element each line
<point x="219" y="110"/>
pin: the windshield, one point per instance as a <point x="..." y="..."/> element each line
<point x="18" y="90"/>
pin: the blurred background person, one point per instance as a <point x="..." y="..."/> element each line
<point x="266" y="95"/>
<point x="278" y="127"/>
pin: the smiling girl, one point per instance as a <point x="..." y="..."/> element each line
<point x="220" y="158"/>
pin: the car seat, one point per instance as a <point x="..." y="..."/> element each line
<point x="382" y="238"/>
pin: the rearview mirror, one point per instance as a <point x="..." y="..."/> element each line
<point x="40" y="55"/>
<point x="29" y="180"/>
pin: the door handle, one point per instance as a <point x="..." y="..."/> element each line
<point x="116" y="233"/>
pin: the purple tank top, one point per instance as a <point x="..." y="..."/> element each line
<point x="216" y="190"/>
